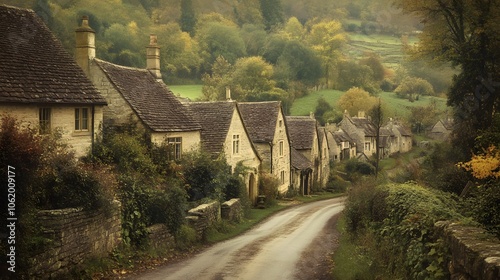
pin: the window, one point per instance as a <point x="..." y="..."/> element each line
<point x="175" y="145"/>
<point x="367" y="146"/>
<point x="282" y="177"/>
<point x="82" y="119"/>
<point x="236" y="144"/>
<point x="282" y="147"/>
<point x="280" y="123"/>
<point x="44" y="117"/>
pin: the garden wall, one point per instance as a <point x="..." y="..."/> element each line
<point x="160" y="237"/>
<point x="76" y="235"/>
<point x="203" y="216"/>
<point x="232" y="210"/>
<point x="474" y="254"/>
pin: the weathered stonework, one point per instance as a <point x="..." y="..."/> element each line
<point x="232" y="210"/>
<point x="474" y="253"/>
<point x="76" y="235"/>
<point x="204" y="216"/>
<point x="160" y="237"/>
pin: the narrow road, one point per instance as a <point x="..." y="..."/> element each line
<point x="290" y="245"/>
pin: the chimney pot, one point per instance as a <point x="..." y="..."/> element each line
<point x="85" y="45"/>
<point x="153" y="56"/>
<point x="228" y="93"/>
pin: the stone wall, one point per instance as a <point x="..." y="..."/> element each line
<point x="76" y="235"/>
<point x="474" y="254"/>
<point x="203" y="216"/>
<point x="232" y="210"/>
<point x="160" y="237"/>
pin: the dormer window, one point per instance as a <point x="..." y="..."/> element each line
<point x="81" y="119"/>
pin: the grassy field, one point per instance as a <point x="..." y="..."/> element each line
<point x="396" y="107"/>
<point x="192" y="92"/>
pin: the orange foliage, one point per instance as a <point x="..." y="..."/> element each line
<point x="485" y="165"/>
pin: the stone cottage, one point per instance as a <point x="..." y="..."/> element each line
<point x="41" y="85"/>
<point x="304" y="138"/>
<point x="442" y="129"/>
<point x="266" y="126"/>
<point x="138" y="96"/>
<point x="362" y="131"/>
<point x="223" y="133"/>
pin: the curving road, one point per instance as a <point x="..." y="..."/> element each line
<point x="282" y="247"/>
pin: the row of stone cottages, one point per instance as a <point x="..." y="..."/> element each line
<point x="42" y="85"/>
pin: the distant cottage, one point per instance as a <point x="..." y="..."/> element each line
<point x="42" y="86"/>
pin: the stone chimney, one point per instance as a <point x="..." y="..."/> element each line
<point x="153" y="57"/>
<point x="361" y="114"/>
<point x="228" y="94"/>
<point x="85" y="45"/>
<point x="311" y="115"/>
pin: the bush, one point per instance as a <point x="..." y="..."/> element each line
<point x="484" y="207"/>
<point x="186" y="237"/>
<point x="336" y="184"/>
<point x="401" y="219"/>
<point x="268" y="186"/>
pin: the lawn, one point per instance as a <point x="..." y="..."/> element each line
<point x="192" y="92"/>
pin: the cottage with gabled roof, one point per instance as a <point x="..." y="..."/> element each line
<point x="363" y="131"/>
<point x="41" y="85"/>
<point x="304" y="138"/>
<point x="223" y="133"/>
<point x="302" y="171"/>
<point x="266" y="126"/>
<point x="442" y="129"/>
<point x="138" y="95"/>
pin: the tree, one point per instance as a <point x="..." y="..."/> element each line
<point x="352" y="74"/>
<point x="188" y="17"/>
<point x="412" y="88"/>
<point x="377" y="115"/>
<point x="485" y="165"/>
<point x="355" y="100"/>
<point x="272" y="13"/>
<point x="301" y="63"/>
<point x="217" y="39"/>
<point x="372" y="60"/>
<point x="322" y="107"/>
<point x="214" y="85"/>
<point x="423" y="117"/>
<point x="327" y="38"/>
<point x="251" y="77"/>
<point x="465" y="33"/>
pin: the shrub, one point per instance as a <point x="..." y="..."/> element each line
<point x="336" y="184"/>
<point x="401" y="218"/>
<point x="484" y="207"/>
<point x="268" y="186"/>
<point x="186" y="237"/>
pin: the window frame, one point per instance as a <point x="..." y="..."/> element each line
<point x="236" y="144"/>
<point x="175" y="147"/>
<point x="44" y="120"/>
<point x="80" y="121"/>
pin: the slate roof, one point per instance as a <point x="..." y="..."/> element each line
<point x="151" y="100"/>
<point x="215" y="120"/>
<point x="260" y="119"/>
<point x="35" y="68"/>
<point x="341" y="136"/>
<point x="299" y="161"/>
<point x="301" y="130"/>
<point x="365" y="124"/>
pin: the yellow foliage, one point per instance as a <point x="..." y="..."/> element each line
<point x="483" y="166"/>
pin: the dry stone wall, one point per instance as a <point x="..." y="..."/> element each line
<point x="76" y="235"/>
<point x="232" y="210"/>
<point x="203" y="216"/>
<point x="474" y="254"/>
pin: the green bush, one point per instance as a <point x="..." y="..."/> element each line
<point x="268" y="186"/>
<point x="484" y="206"/>
<point x="401" y="218"/>
<point x="186" y="237"/>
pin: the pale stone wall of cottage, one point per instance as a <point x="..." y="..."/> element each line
<point x="62" y="119"/>
<point x="190" y="139"/>
<point x="281" y="163"/>
<point x="246" y="155"/>
<point x="325" y="161"/>
<point x="354" y="133"/>
<point x="118" y="110"/>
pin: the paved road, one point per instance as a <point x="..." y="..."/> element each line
<point x="276" y="249"/>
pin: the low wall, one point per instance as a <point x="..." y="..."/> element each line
<point x="160" y="237"/>
<point x="232" y="210"/>
<point x="203" y="216"/>
<point x="474" y="254"/>
<point x="76" y="235"/>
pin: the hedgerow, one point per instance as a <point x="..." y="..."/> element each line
<point x="400" y="218"/>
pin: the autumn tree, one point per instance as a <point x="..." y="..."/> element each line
<point x="372" y="60"/>
<point x="327" y="38"/>
<point x="412" y="88"/>
<point x="214" y="84"/>
<point x="423" y="117"/>
<point x="251" y="77"/>
<point x="352" y="74"/>
<point x="465" y="33"/>
<point x="355" y="100"/>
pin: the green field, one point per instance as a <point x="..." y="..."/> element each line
<point x="192" y="92"/>
<point x="396" y="107"/>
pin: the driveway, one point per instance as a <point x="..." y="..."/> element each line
<point x="292" y="244"/>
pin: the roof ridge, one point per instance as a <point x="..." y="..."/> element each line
<point x="120" y="66"/>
